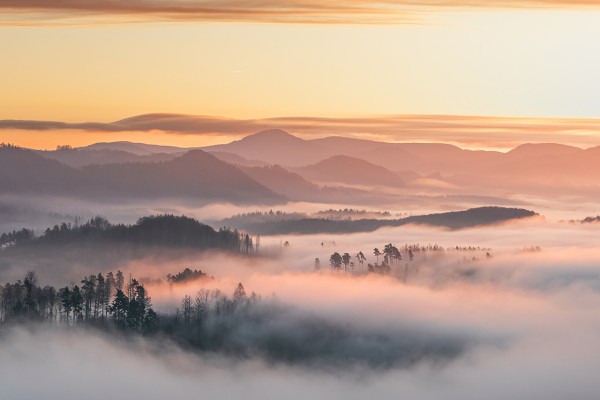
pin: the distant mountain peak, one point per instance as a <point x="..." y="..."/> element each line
<point x="272" y="134"/>
<point x="544" y="149"/>
<point x="133" y="147"/>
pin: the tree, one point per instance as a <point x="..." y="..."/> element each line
<point x="247" y="243"/>
<point x="335" y="261"/>
<point x="30" y="284"/>
<point x="139" y="304"/>
<point x="150" y="321"/>
<point x="88" y="289"/>
<point x="100" y="298"/>
<point x="376" y="253"/>
<point x="186" y="309"/>
<point x="76" y="302"/>
<point x="346" y="260"/>
<point x="239" y="293"/>
<point x="119" y="307"/>
<point x="66" y="301"/>
<point x="391" y="253"/>
<point x="119" y="280"/>
<point x="109" y="288"/>
<point x="361" y="259"/>
<point x="201" y="305"/>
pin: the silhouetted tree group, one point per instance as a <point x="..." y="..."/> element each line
<point x="393" y="255"/>
<point x="99" y="301"/>
<point x="16" y="237"/>
<point x="112" y="301"/>
<point x="188" y="275"/>
<point x="161" y="230"/>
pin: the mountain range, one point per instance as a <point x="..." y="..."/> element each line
<point x="195" y="175"/>
<point x="274" y="166"/>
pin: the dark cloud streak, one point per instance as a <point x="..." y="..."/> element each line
<point x="269" y="11"/>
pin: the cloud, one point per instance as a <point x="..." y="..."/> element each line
<point x="552" y="351"/>
<point x="270" y="11"/>
<point x="544" y="304"/>
<point x="296" y="11"/>
<point x="465" y="131"/>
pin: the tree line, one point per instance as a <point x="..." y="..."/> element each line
<point x="390" y="254"/>
<point x="99" y="300"/>
<point x="115" y="303"/>
<point x="240" y="324"/>
<point x="16" y="237"/>
<point x="159" y="230"/>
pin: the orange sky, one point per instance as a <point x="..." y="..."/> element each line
<point x="99" y="61"/>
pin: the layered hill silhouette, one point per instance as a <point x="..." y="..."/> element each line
<point x="538" y="168"/>
<point x="276" y="147"/>
<point x="140" y="149"/>
<point x="196" y="176"/>
<point x="352" y="171"/>
<point x="546" y="169"/>
<point x="279" y="147"/>
<point x="296" y="188"/>
<point x="91" y="155"/>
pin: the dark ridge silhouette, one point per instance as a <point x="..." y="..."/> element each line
<point x="153" y="231"/>
<point x="196" y="176"/>
<point x="140" y="149"/>
<point x="82" y="157"/>
<point x="352" y="171"/>
<point x="452" y="220"/>
<point x="24" y="171"/>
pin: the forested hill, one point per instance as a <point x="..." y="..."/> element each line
<point x="451" y="220"/>
<point x="162" y="230"/>
<point x="194" y="176"/>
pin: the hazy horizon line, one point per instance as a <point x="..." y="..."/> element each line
<point x="465" y="131"/>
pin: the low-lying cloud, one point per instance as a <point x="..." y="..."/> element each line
<point x="521" y="324"/>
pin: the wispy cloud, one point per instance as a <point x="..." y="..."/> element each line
<point x="466" y="131"/>
<point x="270" y="11"/>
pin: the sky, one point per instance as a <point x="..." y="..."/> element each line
<point x="80" y="61"/>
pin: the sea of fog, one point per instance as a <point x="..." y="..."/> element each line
<point x="520" y="323"/>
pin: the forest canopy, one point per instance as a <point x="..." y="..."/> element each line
<point x="161" y="230"/>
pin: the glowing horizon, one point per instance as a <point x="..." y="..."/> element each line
<point x="513" y="59"/>
<point x="468" y="132"/>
